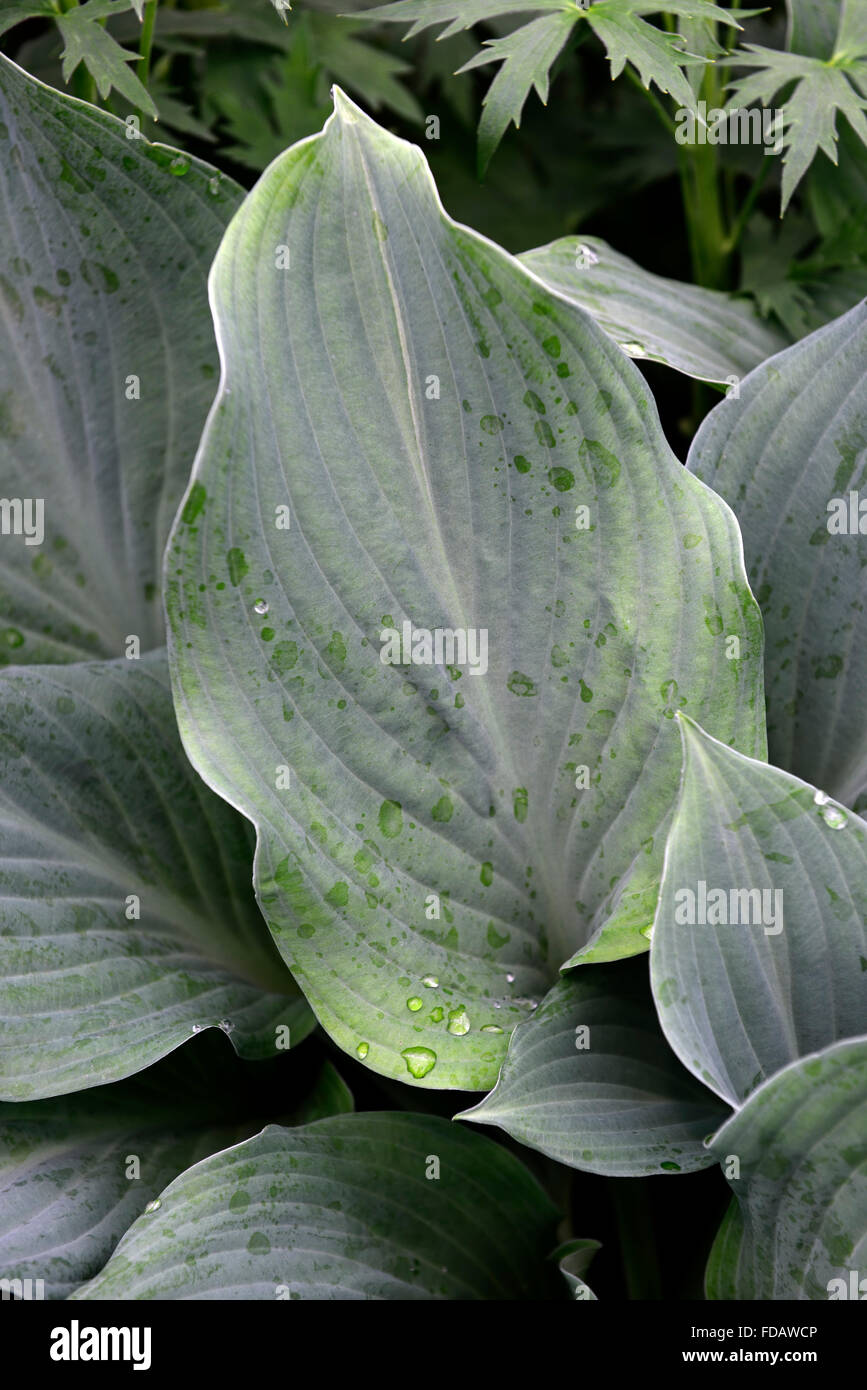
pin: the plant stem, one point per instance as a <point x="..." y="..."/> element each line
<point x="146" y="42"/>
<point x="749" y="203"/>
<point x="651" y="97"/>
<point x="699" y="171"/>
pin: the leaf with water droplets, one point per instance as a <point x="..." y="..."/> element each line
<point x="704" y="333"/>
<point x="797" y="1226"/>
<point x="482" y="818"/>
<point x="762" y="920"/>
<point x="591" y="1082"/>
<point x="76" y="1171"/>
<point x="128" y="920"/>
<point x="788" y="454"/>
<point x="107" y="367"/>
<point x="351" y="1207"/>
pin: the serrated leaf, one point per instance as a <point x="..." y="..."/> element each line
<point x="799" y="1229"/>
<point x="86" y="41"/>
<point x="458" y="15"/>
<point x="808" y="119"/>
<point x="457" y="513"/>
<point x="363" y="68"/>
<point x="527" y="56"/>
<point x="529" y="52"/>
<point x="82" y="315"/>
<point x="591" y="1082"/>
<point x="706" y="334"/>
<point x="68" y="1189"/>
<point x="343" y="1209"/>
<point x="761" y="929"/>
<point x="128" y="923"/>
<point x="657" y="56"/>
<point x="788" y="454"/>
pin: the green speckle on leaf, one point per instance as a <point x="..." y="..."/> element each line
<point x="561" y="478"/>
<point x="238" y="566"/>
<point x="519" y="684"/>
<point x="390" y="819"/>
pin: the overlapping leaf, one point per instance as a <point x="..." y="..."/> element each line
<point x="790" y="456"/>
<point x="799" y="1229"/>
<point x="376" y="1206"/>
<point x="75" y="1172"/>
<point x="86" y="40"/>
<point x="412" y="428"/>
<point x="590" y="1081"/>
<point x="108" y="366"/>
<point x="760" y="940"/>
<point x="823" y="87"/>
<point x="529" y="52"/>
<point x="127" y="921"/>
<point x="527" y="56"/>
<point x="704" y="333"/>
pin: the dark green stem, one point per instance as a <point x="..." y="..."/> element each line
<point x="733" y="239"/>
<point x="146" y="43"/>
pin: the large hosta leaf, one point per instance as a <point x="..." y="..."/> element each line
<point x="591" y="1082"/>
<point x="127" y="920"/>
<point x="107" y="366"/>
<point x="760" y="941"/>
<point x="427" y="417"/>
<point x="793" y="442"/>
<point x="799" y="1230"/>
<point x="76" y="1171"/>
<point x="379" y="1206"/>
<point x="706" y="334"/>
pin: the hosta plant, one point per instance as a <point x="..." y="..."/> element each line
<point x="383" y="700"/>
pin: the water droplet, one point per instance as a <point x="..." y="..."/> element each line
<point x="834" y="816"/>
<point x="179" y="165"/>
<point x="510" y="978"/>
<point x="152" y="1206"/>
<point x="363" y="1049"/>
<point x="214" y="184"/>
<point x="198" y="1027"/>
<point x="431" y="981"/>
<point x="497" y="1004"/>
<point x="260" y="607"/>
<point x="491" y="1028"/>
<point x="419" y="1061"/>
<point x="634" y="349"/>
<point x="584" y="256"/>
<point x="648" y="932"/>
<point x="459" y="1021"/>
<point x="414" y="1004"/>
<point x="227" y="1025"/>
